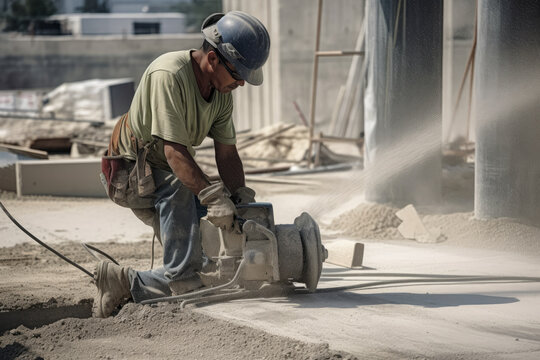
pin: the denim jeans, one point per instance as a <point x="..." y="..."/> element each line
<point x="179" y="212"/>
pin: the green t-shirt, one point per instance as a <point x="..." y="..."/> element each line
<point x="169" y="106"/>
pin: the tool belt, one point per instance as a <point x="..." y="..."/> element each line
<point x="128" y="183"/>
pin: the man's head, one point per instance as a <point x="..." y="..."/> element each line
<point x="224" y="77"/>
<point x="239" y="42"/>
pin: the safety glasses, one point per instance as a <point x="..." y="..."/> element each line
<point x="236" y="76"/>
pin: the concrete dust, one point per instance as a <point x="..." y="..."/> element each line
<point x="462" y="229"/>
<point x="33" y="276"/>
<point x="376" y="221"/>
<point x="163" y="332"/>
<point x="368" y="221"/>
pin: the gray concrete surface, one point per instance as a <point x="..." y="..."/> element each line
<point x="396" y="321"/>
<point x="411" y="321"/>
<point x="70" y="177"/>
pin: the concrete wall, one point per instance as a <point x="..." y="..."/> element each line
<point x="292" y="28"/>
<point x="340" y="24"/>
<point x="46" y="62"/>
<point x="258" y="106"/>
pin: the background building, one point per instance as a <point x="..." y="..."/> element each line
<point x="120" y="6"/>
<point x="122" y="24"/>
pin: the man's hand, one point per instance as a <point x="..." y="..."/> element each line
<point x="221" y="209"/>
<point x="243" y="195"/>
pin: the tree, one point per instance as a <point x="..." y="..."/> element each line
<point x="23" y="13"/>
<point x="197" y="10"/>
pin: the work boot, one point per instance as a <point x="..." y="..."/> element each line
<point x="113" y="288"/>
<point x="179" y="287"/>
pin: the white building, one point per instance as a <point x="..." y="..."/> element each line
<point x="122" y="24"/>
<point x="120" y="6"/>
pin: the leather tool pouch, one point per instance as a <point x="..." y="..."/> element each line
<point x="128" y="183"/>
<point x="145" y="180"/>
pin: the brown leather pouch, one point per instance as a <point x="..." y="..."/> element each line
<point x="127" y="183"/>
<point x="145" y="180"/>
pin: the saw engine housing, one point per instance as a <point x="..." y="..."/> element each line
<point x="271" y="254"/>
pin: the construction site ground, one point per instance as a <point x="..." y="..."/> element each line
<point x="45" y="303"/>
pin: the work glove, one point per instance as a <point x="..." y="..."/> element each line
<point x="243" y="195"/>
<point x="220" y="208"/>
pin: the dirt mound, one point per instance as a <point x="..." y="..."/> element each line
<point x="368" y="221"/>
<point x="164" y="332"/>
<point x="500" y="234"/>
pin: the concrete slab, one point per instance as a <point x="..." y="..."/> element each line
<point x="413" y="228"/>
<point x="9" y="155"/>
<point x="345" y="253"/>
<point x="431" y="320"/>
<point x="71" y="177"/>
<point x="7" y="178"/>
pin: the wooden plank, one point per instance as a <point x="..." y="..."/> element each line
<point x="264" y="137"/>
<point x="256" y="171"/>
<point x="338" y="139"/>
<point x="21" y="150"/>
<point x="339" y="53"/>
<point x="55" y="144"/>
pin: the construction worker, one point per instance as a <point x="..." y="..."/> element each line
<point x="182" y="97"/>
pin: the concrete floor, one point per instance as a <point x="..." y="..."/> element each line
<point x="478" y="320"/>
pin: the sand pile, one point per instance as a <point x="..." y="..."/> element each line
<point x="368" y="221"/>
<point x="163" y="332"/>
<point x="375" y="221"/>
<point x="500" y="234"/>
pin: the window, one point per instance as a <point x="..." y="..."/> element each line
<point x="141" y="28"/>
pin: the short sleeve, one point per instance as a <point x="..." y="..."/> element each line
<point x="167" y="108"/>
<point x="222" y="129"/>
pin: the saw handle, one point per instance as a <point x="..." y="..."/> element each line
<point x="240" y="221"/>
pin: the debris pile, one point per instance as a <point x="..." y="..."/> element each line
<point x="279" y="147"/>
<point x="369" y="221"/>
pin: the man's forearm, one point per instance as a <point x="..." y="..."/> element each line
<point x="185" y="168"/>
<point x="230" y="167"/>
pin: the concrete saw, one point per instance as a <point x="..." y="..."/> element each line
<point x="262" y="260"/>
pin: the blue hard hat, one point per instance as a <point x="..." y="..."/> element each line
<point x="242" y="39"/>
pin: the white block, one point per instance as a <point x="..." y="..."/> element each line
<point x="413" y="228"/>
<point x="70" y="177"/>
<point x="346" y="253"/>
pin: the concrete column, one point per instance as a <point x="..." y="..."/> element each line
<point x="507" y="110"/>
<point x="256" y="107"/>
<point x="403" y="102"/>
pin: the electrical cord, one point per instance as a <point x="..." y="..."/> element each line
<point x="456" y="279"/>
<point x="91" y="248"/>
<point x="45" y="245"/>
<point x="436" y="276"/>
